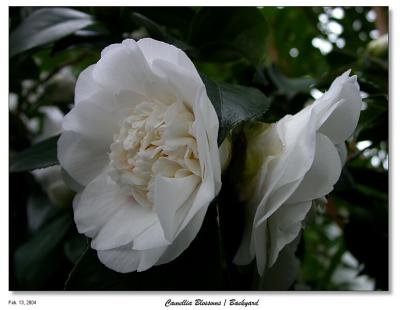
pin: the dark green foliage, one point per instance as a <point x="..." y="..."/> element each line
<point x="40" y="155"/>
<point x="46" y="26"/>
<point x="234" y="104"/>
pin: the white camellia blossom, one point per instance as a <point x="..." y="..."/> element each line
<point x="292" y="164"/>
<point x="141" y="139"/>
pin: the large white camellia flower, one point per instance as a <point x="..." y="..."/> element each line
<point x="292" y="164"/>
<point x="141" y="140"/>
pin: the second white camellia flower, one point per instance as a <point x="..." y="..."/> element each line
<point x="291" y="164"/>
<point x="141" y="140"/>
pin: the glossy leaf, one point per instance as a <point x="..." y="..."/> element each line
<point x="234" y="104"/>
<point x="40" y="155"/>
<point x="45" y="26"/>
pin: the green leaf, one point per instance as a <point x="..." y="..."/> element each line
<point x="40" y="155"/>
<point x="40" y="259"/>
<point x="45" y="26"/>
<point x="290" y="87"/>
<point x="226" y="34"/>
<point x="234" y="104"/>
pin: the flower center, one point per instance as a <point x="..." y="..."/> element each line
<point x="157" y="139"/>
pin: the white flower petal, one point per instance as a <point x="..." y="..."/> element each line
<point x="284" y="226"/>
<point x="123" y="226"/>
<point x="297" y="134"/>
<point x="85" y="86"/>
<point x="170" y="195"/>
<point x="297" y="138"/>
<point x="99" y="126"/>
<point x="324" y="172"/>
<point x="125" y="260"/>
<point x="270" y="203"/>
<point x="204" y="196"/>
<point x="123" y="67"/>
<point x="347" y="114"/>
<point x="334" y="90"/>
<point x="151" y="238"/>
<point x="184" y="85"/>
<point x="83" y="160"/>
<point x="120" y="259"/>
<point x="109" y="48"/>
<point x="208" y="147"/>
<point x="150" y="258"/>
<point x="96" y="204"/>
<point x="185" y="237"/>
<point x="154" y="50"/>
